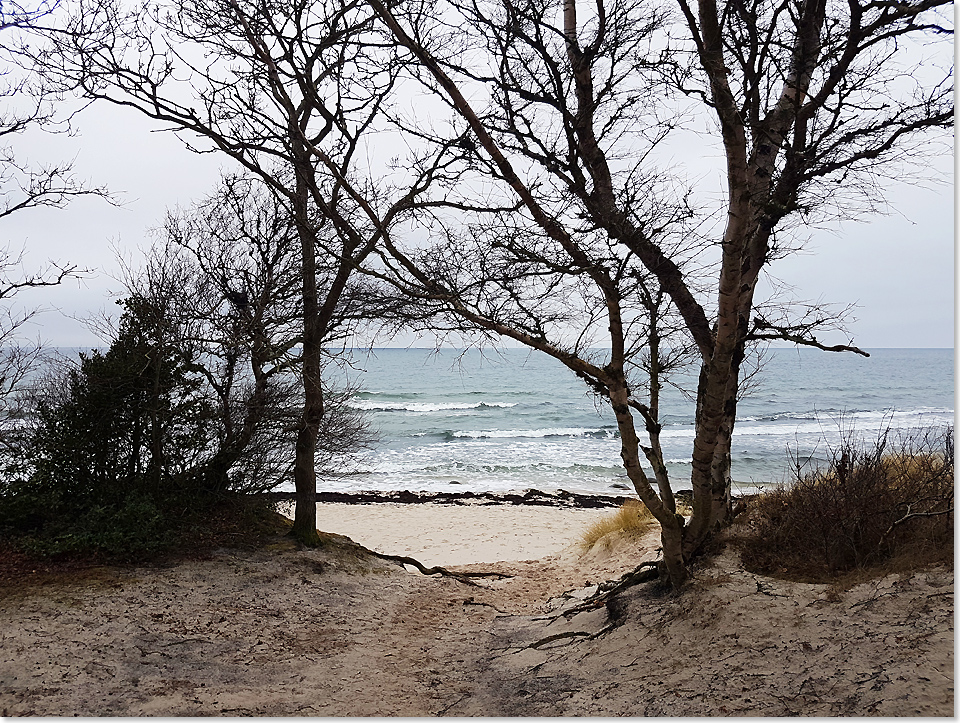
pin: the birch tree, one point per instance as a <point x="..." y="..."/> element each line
<point x="563" y="103"/>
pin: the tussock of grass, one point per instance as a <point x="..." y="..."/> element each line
<point x="874" y="510"/>
<point x="632" y="520"/>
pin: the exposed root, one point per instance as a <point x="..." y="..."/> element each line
<point x="559" y="636"/>
<point x="764" y="589"/>
<point x="471" y="601"/>
<point x="644" y="572"/>
<point x="463" y="577"/>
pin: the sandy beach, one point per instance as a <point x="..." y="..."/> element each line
<point x="458" y="534"/>
<point x="335" y="631"/>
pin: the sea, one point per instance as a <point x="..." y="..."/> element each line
<point x="511" y="420"/>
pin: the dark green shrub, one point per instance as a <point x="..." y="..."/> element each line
<point x="132" y="529"/>
<point x="114" y="460"/>
<point x="126" y="450"/>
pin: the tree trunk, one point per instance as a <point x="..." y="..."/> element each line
<point x="304" y="470"/>
<point x="671" y="539"/>
<point x="722" y="483"/>
<point x="716" y="407"/>
<point x="671" y="524"/>
<point x="710" y="398"/>
<point x="305" y="474"/>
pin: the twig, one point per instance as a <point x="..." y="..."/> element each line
<point x="443" y="711"/>
<point x="909" y="516"/>
<point x="471" y="601"/>
<point x="186" y="640"/>
<point x="763" y="590"/>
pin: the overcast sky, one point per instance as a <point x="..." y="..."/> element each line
<point x="898" y="268"/>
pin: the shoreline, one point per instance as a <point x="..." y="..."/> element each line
<point x="561" y="498"/>
<point x="456" y="534"/>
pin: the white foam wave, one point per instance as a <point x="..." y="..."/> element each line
<point x="370" y="405"/>
<point x="534" y="433"/>
<point x="831" y="415"/>
<point x="861" y="422"/>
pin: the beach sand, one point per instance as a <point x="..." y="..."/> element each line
<point x="335" y="631"/>
<point x="458" y="534"/>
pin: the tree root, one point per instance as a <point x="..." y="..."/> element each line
<point x="559" y="636"/>
<point x="644" y="572"/>
<point x="763" y="589"/>
<point x="463" y="577"/>
<point x="471" y="601"/>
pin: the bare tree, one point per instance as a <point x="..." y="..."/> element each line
<point x="28" y="106"/>
<point x="812" y="100"/>
<point x="292" y="94"/>
<point x="240" y="249"/>
<point x="195" y="396"/>
<point x="177" y="412"/>
<point x="243" y="386"/>
<point x="16" y="360"/>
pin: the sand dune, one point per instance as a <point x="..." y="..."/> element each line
<point x="336" y="631"/>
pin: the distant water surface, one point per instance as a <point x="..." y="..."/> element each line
<point x="512" y="420"/>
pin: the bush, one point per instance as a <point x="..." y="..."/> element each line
<point x="132" y="449"/>
<point x="114" y="457"/>
<point x="871" y="506"/>
<point x="132" y="529"/>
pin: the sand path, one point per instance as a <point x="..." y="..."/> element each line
<point x="336" y="632"/>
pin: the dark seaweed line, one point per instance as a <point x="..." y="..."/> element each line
<point x="561" y="498"/>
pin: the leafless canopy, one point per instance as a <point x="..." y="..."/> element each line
<point x="28" y="106"/>
<point x="560" y="109"/>
<point x="293" y="94"/>
<point x="532" y="195"/>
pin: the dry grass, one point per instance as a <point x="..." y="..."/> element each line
<point x="874" y="510"/>
<point x="632" y="520"/>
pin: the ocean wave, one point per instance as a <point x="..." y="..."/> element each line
<point x="833" y="415"/>
<point x="535" y="433"/>
<point x="374" y="393"/>
<point x="827" y="424"/>
<point x="370" y="405"/>
<point x="461" y="467"/>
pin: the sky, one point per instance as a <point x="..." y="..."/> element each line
<point x="898" y="268"/>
